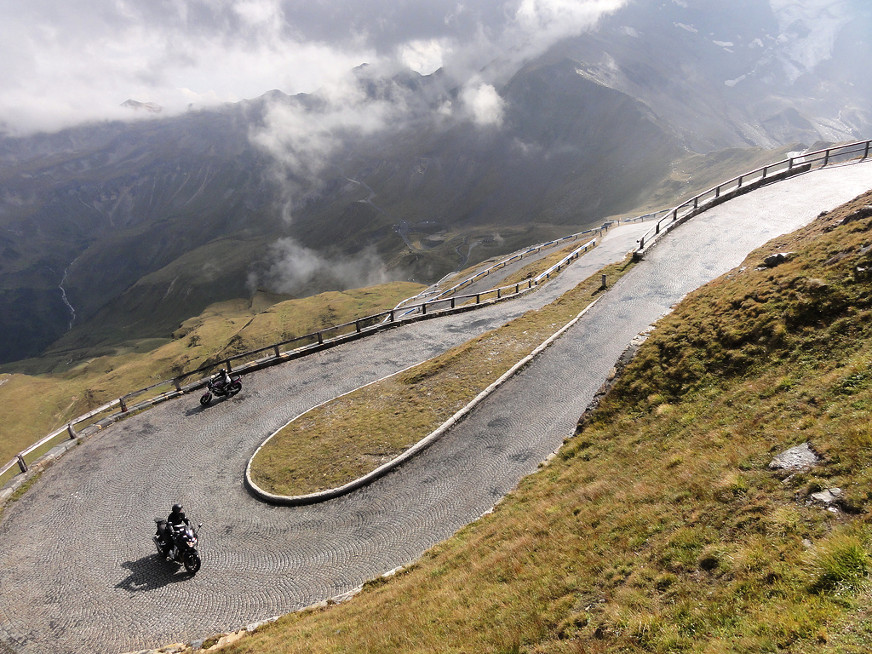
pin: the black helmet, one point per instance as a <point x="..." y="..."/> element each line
<point x="177" y="508"/>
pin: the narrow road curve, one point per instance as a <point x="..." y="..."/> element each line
<point x="77" y="568"/>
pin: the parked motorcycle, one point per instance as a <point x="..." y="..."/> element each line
<point x="219" y="387"/>
<point x="178" y="543"/>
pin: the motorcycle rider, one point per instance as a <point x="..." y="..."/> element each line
<point x="222" y="379"/>
<point x="176" y="517"/>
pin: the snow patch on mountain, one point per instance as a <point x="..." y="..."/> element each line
<point x="808" y="32"/>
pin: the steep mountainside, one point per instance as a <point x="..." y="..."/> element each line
<point x="121" y="231"/>
<point x="92" y="210"/>
<point x="569" y="152"/>
<point x="739" y="73"/>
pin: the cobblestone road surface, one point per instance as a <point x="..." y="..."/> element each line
<point x="78" y="572"/>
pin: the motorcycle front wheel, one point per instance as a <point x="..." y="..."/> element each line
<point x="192" y="562"/>
<point x="205" y="399"/>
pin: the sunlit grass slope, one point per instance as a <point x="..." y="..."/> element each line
<point x="660" y="527"/>
<point x="33" y="405"/>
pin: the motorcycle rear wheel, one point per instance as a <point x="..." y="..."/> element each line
<point x="234" y="388"/>
<point x="192" y="562"/>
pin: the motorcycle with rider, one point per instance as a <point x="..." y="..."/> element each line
<point x="221" y="385"/>
<point x="176" y="539"/>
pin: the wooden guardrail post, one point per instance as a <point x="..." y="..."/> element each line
<point x="177" y="384"/>
<point x="826" y="157"/>
<point x="21" y="463"/>
<point x="866" y="151"/>
<point x="70" y="431"/>
<point x="277" y="351"/>
<point x="123" y="404"/>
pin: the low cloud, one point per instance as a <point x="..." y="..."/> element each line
<point x="483" y="103"/>
<point x="303" y="134"/>
<point x="293" y="269"/>
<point x="77" y="61"/>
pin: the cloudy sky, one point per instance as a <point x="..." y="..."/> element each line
<point x="77" y="60"/>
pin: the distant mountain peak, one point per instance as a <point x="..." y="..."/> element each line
<point x="136" y="105"/>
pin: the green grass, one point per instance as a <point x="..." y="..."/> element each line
<point x="841" y="564"/>
<point x="356" y="433"/>
<point x="659" y="527"/>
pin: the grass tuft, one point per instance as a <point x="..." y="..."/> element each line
<point x="841" y="564"/>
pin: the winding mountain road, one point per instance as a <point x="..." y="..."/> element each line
<point x="78" y="572"/>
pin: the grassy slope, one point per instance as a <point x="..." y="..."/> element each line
<point x="32" y="405"/>
<point x="660" y="528"/>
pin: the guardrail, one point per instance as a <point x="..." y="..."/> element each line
<point x="536" y="249"/>
<point x="499" y="265"/>
<point x="533" y="249"/>
<point x="749" y="181"/>
<point x="259" y="358"/>
<point x="331" y="336"/>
